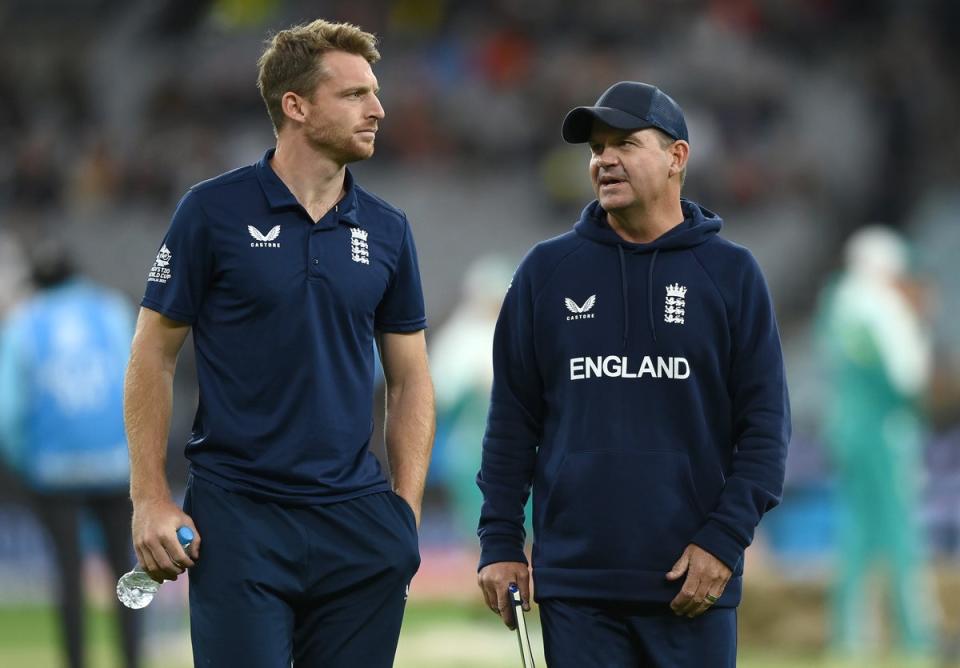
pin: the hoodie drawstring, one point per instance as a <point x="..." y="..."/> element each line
<point x="626" y="301"/>
<point x="623" y="292"/>
<point x="653" y="261"/>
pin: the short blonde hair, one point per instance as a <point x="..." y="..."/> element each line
<point x="291" y="61"/>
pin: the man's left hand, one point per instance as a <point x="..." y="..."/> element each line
<point x="707" y="577"/>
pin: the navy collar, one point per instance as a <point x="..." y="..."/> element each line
<point x="279" y="196"/>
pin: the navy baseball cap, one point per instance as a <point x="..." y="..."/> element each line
<point x="627" y="105"/>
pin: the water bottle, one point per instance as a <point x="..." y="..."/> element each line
<point x="136" y="589"/>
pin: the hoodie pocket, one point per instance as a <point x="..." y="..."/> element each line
<point x="619" y="509"/>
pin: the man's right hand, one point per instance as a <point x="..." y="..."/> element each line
<point x="155" y="524"/>
<point x="494" y="579"/>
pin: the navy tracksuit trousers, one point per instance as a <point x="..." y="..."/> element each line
<point x="597" y="634"/>
<point x="321" y="585"/>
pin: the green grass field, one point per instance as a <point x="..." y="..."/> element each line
<point x="435" y="635"/>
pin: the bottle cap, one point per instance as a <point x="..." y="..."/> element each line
<point x="185" y="536"/>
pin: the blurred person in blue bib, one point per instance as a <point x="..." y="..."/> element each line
<point x="877" y="351"/>
<point x="63" y="353"/>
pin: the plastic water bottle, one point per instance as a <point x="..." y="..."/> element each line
<point x="136" y="589"/>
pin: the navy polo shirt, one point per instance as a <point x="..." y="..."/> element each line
<point x="283" y="312"/>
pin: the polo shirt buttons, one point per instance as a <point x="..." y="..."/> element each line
<point x="316" y="261"/>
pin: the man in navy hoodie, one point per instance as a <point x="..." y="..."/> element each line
<point x="639" y="389"/>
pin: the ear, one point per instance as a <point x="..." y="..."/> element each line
<point x="293" y="106"/>
<point x="679" y="153"/>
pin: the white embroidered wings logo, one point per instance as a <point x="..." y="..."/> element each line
<point x="269" y="236"/>
<point x="587" y="305"/>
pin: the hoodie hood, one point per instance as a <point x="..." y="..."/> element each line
<point x="699" y="225"/>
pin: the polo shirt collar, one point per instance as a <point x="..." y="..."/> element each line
<point x="347" y="206"/>
<point x="277" y="193"/>
<point x="279" y="196"/>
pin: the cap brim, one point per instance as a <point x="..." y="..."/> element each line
<point x="579" y="122"/>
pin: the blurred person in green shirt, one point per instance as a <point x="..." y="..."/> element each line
<point x="463" y="375"/>
<point x="876" y="346"/>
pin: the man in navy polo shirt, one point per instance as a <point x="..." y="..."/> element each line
<point x="286" y="270"/>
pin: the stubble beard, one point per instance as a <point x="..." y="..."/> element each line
<point x="625" y="198"/>
<point x="339" y="145"/>
<point x="613" y="203"/>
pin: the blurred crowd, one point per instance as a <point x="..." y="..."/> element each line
<point x="844" y="106"/>
<point x="808" y="119"/>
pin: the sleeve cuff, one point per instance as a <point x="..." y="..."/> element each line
<point x="719" y="542"/>
<point x="401" y="327"/>
<point x="166" y="311"/>
<point x="494" y="549"/>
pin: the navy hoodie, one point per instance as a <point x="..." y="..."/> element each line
<point x="640" y="390"/>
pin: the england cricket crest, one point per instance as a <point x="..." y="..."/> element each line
<point x="675" y="307"/>
<point x="359" y="250"/>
